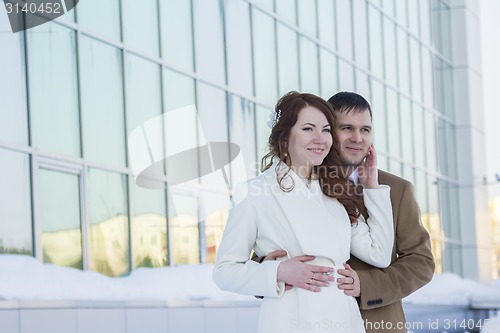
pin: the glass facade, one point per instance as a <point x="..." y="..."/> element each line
<point x="76" y="88"/>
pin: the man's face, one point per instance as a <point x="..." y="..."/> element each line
<point x="354" y="132"/>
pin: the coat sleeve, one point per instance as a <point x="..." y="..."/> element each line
<point x="414" y="265"/>
<point x="233" y="270"/>
<point x="373" y="242"/>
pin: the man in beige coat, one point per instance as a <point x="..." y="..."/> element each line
<point x="412" y="264"/>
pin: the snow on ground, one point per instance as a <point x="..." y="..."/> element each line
<point x="24" y="278"/>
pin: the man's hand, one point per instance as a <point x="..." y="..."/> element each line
<point x="368" y="171"/>
<point x="350" y="282"/>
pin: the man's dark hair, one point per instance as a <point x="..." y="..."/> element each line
<point x="348" y="101"/>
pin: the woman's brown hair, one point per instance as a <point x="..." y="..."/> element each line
<point x="332" y="178"/>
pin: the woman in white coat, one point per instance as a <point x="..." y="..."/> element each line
<point x="303" y="203"/>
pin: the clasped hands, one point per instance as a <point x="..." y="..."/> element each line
<point x="295" y="272"/>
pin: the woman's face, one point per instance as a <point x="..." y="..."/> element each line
<point x="310" y="140"/>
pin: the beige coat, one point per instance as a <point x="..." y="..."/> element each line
<point x="412" y="263"/>
<point x="302" y="221"/>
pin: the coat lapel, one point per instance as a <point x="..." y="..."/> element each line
<point x="316" y="229"/>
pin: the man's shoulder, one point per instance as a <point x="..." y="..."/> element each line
<point x="392" y="180"/>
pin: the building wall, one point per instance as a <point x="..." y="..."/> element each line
<point x="75" y="89"/>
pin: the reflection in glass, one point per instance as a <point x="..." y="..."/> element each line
<point x="393" y="124"/>
<point x="242" y="132"/>
<point x="54" y="89"/>
<point x="140" y="25"/>
<point x="99" y="16"/>
<point x="13" y="127"/>
<point x="15" y="210"/>
<point x="183" y="230"/>
<point x="265" y="58"/>
<point x="419" y="133"/>
<point x="309" y="71"/>
<point x="288" y="66"/>
<point x="108" y="222"/>
<point x="59" y="205"/>
<point x="263" y="131"/>
<point x="148" y="227"/>
<point x="102" y="102"/>
<point x="177" y="33"/>
<point x="214" y="228"/>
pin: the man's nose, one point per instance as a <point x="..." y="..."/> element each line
<point x="356" y="136"/>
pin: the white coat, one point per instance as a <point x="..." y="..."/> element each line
<point x="302" y="221"/>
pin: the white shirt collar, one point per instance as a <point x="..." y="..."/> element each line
<point x="354" y="176"/>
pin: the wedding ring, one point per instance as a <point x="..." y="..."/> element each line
<point x="327" y="273"/>
<point x="352" y="280"/>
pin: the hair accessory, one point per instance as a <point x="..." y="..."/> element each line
<point x="274" y="117"/>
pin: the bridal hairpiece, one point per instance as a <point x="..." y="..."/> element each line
<point x="274" y="117"/>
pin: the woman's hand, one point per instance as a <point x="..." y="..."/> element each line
<point x="350" y="282"/>
<point x="296" y="272"/>
<point x="368" y="171"/>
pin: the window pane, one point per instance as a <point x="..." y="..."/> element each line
<point x="264" y="57"/>
<point x="238" y="47"/>
<point x="263" y="131"/>
<point x="242" y="132"/>
<point x="102" y="17"/>
<point x="326" y="23"/>
<point x="13" y="127"/>
<point x="406" y="128"/>
<point x="178" y="90"/>
<point x="286" y="9"/>
<point x="307" y="17"/>
<point x="59" y="205"/>
<point x="401" y="13"/>
<point x="102" y="102"/>
<point x="184" y="232"/>
<point x="376" y="52"/>
<point x="393" y="124"/>
<point x="15" y="210"/>
<point x="346" y="76"/>
<point x="361" y="52"/>
<point x="416" y="70"/>
<point x="390" y="52"/>
<point x="177" y="33"/>
<point x="430" y="134"/>
<point x="403" y="62"/>
<point x="108" y="219"/>
<point x="53" y="89"/>
<point x="328" y="74"/>
<point x="140" y="25"/>
<point x="379" y="111"/>
<point x="309" y="71"/>
<point x="288" y="66"/>
<point x="209" y="41"/>
<point x="419" y="133"/>
<point x="143" y="91"/>
<point x="149" y="227"/>
<point x="414" y="18"/>
<point x="344" y="26"/>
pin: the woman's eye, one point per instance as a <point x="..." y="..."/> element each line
<point x="327" y="130"/>
<point x="307" y="129"/>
